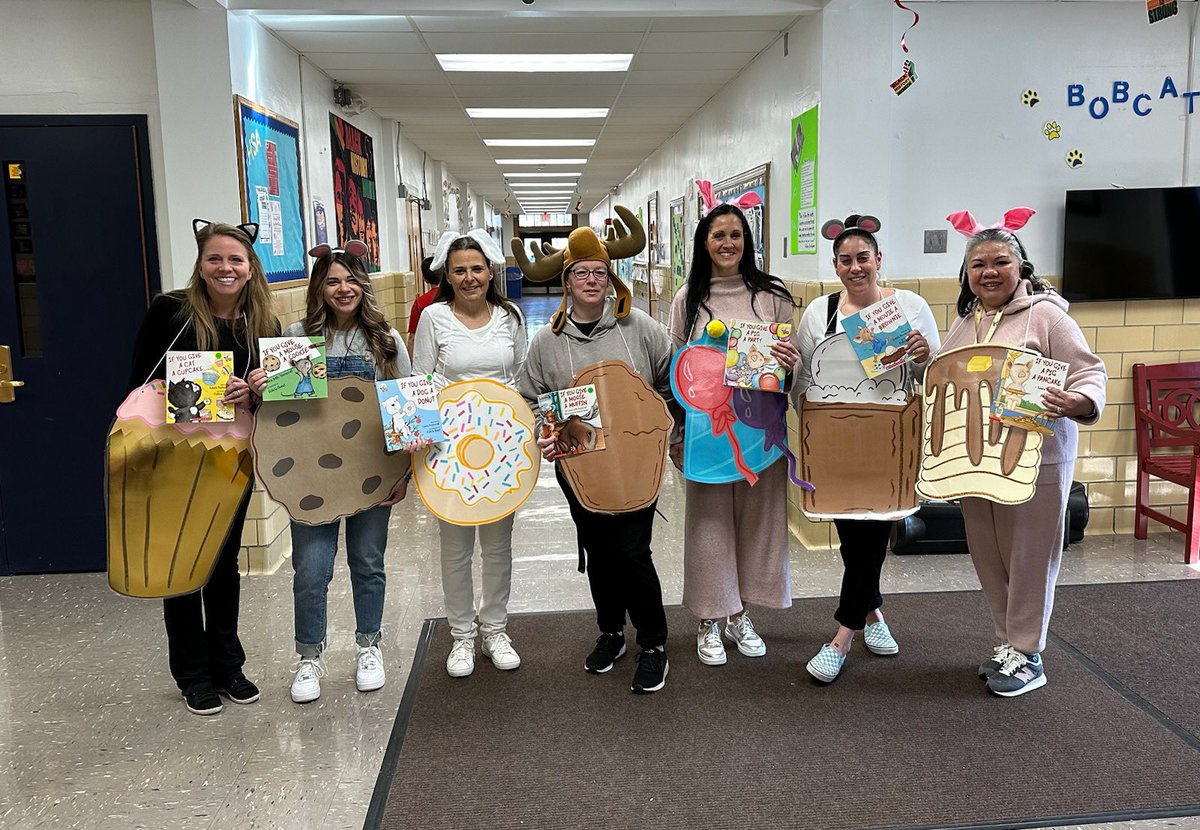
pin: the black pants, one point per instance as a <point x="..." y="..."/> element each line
<point x="864" y="546"/>
<point x="620" y="569"/>
<point x="202" y="639"/>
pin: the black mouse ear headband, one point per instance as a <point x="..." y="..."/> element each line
<point x="836" y="227"/>
<point x="354" y="247"/>
<point x="248" y="228"/>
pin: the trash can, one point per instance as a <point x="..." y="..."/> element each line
<point x="513" y="277"/>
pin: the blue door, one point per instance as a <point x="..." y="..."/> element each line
<point x="78" y="265"/>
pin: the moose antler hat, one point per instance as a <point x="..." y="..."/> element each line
<point x="624" y="240"/>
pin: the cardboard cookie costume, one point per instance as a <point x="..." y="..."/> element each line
<point x="627" y="474"/>
<point x="326" y="459"/>
<point x="488" y="465"/>
<point x="171" y="495"/>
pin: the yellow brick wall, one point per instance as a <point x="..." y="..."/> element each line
<point x="1122" y="333"/>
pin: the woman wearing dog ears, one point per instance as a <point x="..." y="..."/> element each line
<point x="341" y="307"/>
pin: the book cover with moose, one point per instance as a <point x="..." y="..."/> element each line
<point x="409" y="408"/>
<point x="572" y="417"/>
<point x="748" y="361"/>
<point x="879" y="336"/>
<point x="1024" y="380"/>
<point x="196" y="384"/>
<point x="295" y="368"/>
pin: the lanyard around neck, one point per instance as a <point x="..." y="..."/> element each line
<point x="992" y="329"/>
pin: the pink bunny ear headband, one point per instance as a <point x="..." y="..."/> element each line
<point x="1014" y="220"/>
<point x="746" y="200"/>
<point x="354" y="248"/>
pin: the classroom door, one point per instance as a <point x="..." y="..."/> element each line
<point x="78" y="264"/>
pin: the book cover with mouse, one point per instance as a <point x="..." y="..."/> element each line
<point x="879" y="336"/>
<point x="295" y="368"/>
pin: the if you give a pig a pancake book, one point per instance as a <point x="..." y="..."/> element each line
<point x="879" y="335"/>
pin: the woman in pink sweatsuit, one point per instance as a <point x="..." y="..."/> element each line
<point x="1017" y="549"/>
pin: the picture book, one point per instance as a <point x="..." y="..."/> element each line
<point x="295" y="368"/>
<point x="195" y="385"/>
<point x="748" y="362"/>
<point x="409" y="408"/>
<point x="879" y="336"/>
<point x="1024" y="379"/>
<point x="572" y="417"/>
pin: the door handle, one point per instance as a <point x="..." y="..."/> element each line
<point x="7" y="384"/>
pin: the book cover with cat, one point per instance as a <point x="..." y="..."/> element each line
<point x="409" y="409"/>
<point x="1024" y="381"/>
<point x="879" y="336"/>
<point x="749" y="363"/>
<point x="295" y="368"/>
<point x="196" y="384"/>
<point x="572" y="417"/>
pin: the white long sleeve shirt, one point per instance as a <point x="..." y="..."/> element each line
<point x="451" y="352"/>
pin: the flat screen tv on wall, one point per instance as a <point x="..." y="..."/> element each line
<point x="1131" y="244"/>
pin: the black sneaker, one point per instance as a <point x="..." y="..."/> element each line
<point x="203" y="701"/>
<point x="651" y="673"/>
<point x="239" y="689"/>
<point x="609" y="648"/>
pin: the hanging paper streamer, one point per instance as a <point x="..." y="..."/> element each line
<point x="1161" y="9"/>
<point x="909" y="75"/>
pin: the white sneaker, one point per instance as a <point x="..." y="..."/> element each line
<point x="709" y="647"/>
<point x="369" y="676"/>
<point x="742" y="632"/>
<point x="499" y="648"/>
<point x="461" y="661"/>
<point x="306" y="685"/>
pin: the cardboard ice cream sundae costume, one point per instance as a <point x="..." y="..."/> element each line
<point x="326" y="459"/>
<point x="488" y="465"/>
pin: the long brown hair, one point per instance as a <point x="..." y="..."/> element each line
<point x="318" y="320"/>
<point x="446" y="290"/>
<point x="254" y="301"/>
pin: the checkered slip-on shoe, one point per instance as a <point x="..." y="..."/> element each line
<point x="827" y="664"/>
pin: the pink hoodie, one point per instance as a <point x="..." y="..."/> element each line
<point x="1040" y="322"/>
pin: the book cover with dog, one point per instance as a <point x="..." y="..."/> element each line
<point x="879" y="336"/>
<point x="196" y="384"/>
<point x="572" y="417"/>
<point x="1024" y="381"/>
<point x="409" y="408"/>
<point x="295" y="368"/>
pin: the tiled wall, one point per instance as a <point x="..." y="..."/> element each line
<point x="265" y="540"/>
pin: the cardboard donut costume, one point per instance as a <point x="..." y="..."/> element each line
<point x="627" y="474"/>
<point x="967" y="453"/>
<point x="171" y="495"/>
<point x="488" y="465"/>
<point x="325" y="459"/>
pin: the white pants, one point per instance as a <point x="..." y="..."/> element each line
<point x="458" y="548"/>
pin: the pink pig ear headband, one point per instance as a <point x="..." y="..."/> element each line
<point x="746" y="200"/>
<point x="354" y="248"/>
<point x="1014" y="220"/>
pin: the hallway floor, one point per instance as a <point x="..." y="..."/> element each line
<point x="94" y="734"/>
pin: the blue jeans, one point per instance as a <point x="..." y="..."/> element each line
<point x="314" y="547"/>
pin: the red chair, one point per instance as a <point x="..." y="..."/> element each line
<point x="1167" y="405"/>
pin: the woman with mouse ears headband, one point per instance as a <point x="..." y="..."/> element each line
<point x="471" y="332"/>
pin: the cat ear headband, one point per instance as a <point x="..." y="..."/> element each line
<point x="490" y="249"/>
<point x="1014" y="220"/>
<point x="248" y="228"/>
<point x="836" y="227"/>
<point x="746" y="200"/>
<point x="354" y="248"/>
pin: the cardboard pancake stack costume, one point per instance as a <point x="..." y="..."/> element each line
<point x="171" y="495"/>
<point x="326" y="459"/>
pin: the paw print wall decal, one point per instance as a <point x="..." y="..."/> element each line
<point x="1052" y="131"/>
<point x="1030" y="98"/>
<point x="1075" y="158"/>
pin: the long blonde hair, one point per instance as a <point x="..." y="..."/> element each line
<point x="318" y="321"/>
<point x="254" y="301"/>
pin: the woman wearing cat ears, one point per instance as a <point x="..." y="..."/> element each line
<point x="226" y="306"/>
<point x="864" y="541"/>
<point x="341" y="308"/>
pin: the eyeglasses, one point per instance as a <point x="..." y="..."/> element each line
<point x="581" y="275"/>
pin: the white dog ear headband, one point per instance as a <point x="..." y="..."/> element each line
<point x="248" y="228"/>
<point x="354" y="248"/>
<point x="1014" y="220"/>
<point x="491" y="250"/>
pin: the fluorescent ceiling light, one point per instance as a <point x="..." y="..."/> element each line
<point x="537" y="112"/>
<point x="475" y="62"/>
<point x="557" y="174"/>
<point x="541" y="161"/>
<point x="540" y="142"/>
<point x="564" y="193"/>
<point x="527" y="185"/>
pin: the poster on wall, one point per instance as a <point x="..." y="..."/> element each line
<point x="804" y="182"/>
<point x="678" y="244"/>
<point x="320" y="223"/>
<point x="269" y="172"/>
<point x="354" y="187"/>
<point x="652" y="229"/>
<point x="733" y="188"/>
